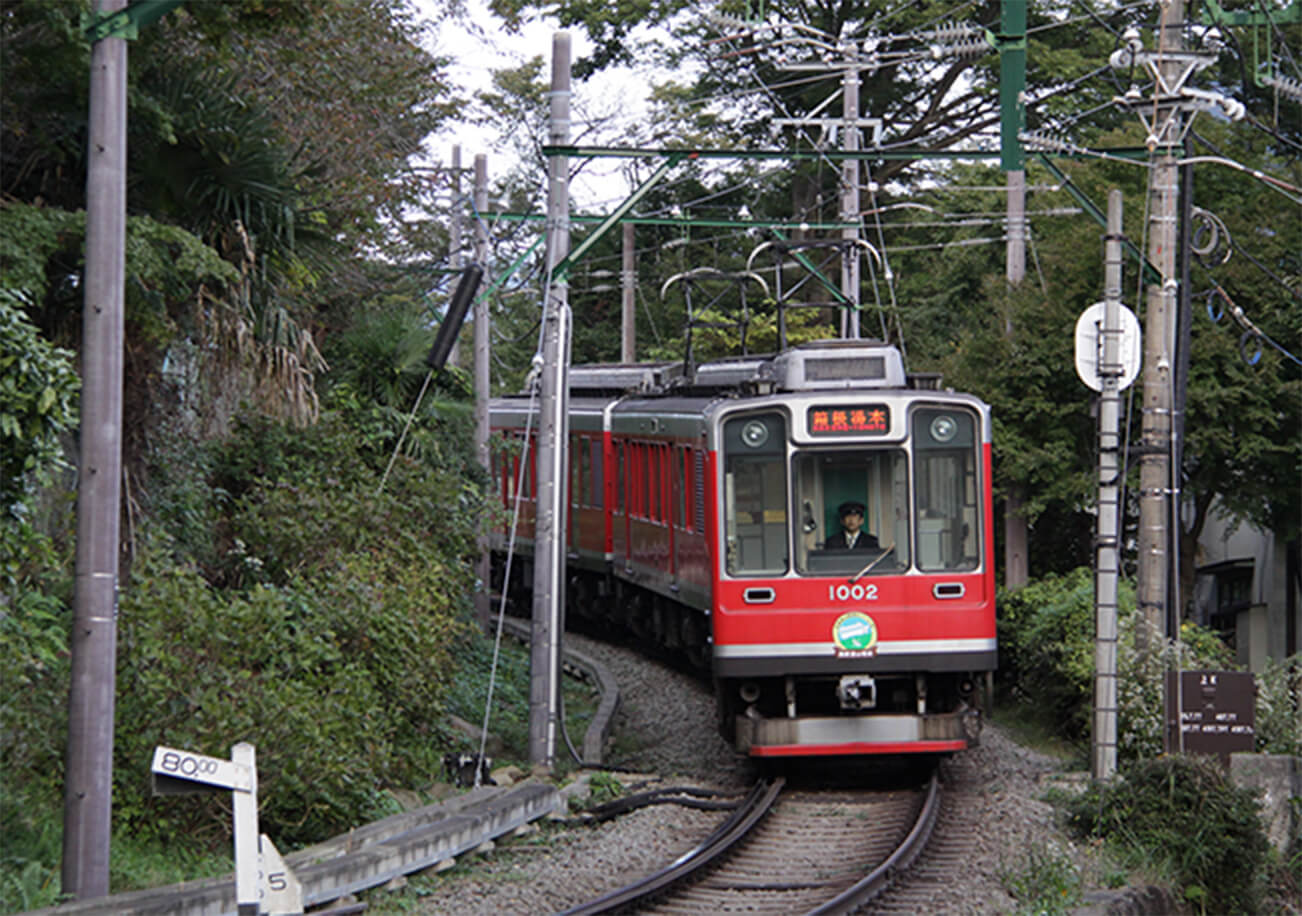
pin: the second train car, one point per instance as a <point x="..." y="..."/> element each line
<point x="706" y="513"/>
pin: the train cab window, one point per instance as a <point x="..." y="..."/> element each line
<point x="870" y="483"/>
<point x="755" y="494"/>
<point x="945" y="463"/>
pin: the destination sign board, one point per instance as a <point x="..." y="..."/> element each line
<point x="850" y="420"/>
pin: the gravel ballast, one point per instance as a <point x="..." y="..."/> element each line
<point x="666" y="735"/>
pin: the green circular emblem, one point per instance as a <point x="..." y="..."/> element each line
<point x="854" y="632"/>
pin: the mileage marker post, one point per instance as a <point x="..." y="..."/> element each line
<point x="263" y="884"/>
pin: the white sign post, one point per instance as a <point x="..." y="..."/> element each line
<point x="264" y="885"/>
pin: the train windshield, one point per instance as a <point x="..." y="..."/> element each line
<point x="755" y="494"/>
<point x="853" y="511"/>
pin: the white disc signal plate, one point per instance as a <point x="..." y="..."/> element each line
<point x="1089" y="346"/>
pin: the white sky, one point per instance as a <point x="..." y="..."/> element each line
<point x="476" y="52"/>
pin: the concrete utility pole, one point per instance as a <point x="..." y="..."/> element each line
<point x="483" y="381"/>
<point x="553" y="433"/>
<point x="1107" y="567"/>
<point x="628" y="299"/>
<point x="88" y="785"/>
<point x="1012" y="120"/>
<point x="1159" y="324"/>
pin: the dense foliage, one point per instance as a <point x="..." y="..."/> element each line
<point x="1180" y="817"/>
<point x="1046" y="660"/>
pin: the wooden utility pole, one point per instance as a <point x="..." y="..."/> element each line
<point x="553" y="433"/>
<point x="88" y="781"/>
<point x="1159" y="337"/>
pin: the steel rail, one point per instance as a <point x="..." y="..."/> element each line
<point x="750" y="812"/>
<point x="881" y="877"/>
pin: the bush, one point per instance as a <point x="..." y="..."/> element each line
<point x="337" y="681"/>
<point x="1182" y="817"/>
<point x="38" y="389"/>
<point x="1279" y="707"/>
<point x="1046" y="660"/>
<point x="1046" y="647"/>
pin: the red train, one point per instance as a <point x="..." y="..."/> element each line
<point x="710" y="512"/>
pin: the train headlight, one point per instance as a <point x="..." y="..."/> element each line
<point x="755" y="433"/>
<point x="943" y="428"/>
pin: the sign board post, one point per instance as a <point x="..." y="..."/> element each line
<point x="264" y="885"/>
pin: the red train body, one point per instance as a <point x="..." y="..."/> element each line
<point x="700" y="510"/>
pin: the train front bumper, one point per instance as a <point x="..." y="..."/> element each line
<point x="808" y="736"/>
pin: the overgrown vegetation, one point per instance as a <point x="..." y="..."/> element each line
<point x="1180" y="819"/>
<point x="1046" y="632"/>
<point x="1047" y="883"/>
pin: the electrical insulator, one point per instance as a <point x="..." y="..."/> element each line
<point x="973" y="47"/>
<point x="950" y="31"/>
<point x="1285" y="85"/>
<point x="1046" y="143"/>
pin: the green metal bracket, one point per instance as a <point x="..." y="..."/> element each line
<point x="567" y="263"/>
<point x="127" y="22"/>
<point x="1151" y="273"/>
<point x="1213" y="14"/>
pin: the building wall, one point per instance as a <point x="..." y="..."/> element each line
<point x="1226" y="550"/>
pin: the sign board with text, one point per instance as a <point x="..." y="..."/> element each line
<point x="1213" y="711"/>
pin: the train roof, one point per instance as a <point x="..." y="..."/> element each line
<point x="825" y="365"/>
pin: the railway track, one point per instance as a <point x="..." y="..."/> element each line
<point x="786" y="852"/>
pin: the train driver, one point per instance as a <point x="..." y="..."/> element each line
<point x="851" y="536"/>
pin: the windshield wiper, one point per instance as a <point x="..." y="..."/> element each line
<point x="869" y="568"/>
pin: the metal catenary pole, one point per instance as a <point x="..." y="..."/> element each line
<point x="456" y="259"/>
<point x="549" y="547"/>
<point x="850" y="201"/>
<point x="1159" y="342"/>
<point x="483" y="381"/>
<point x="89" y="778"/>
<point x="1107" y="568"/>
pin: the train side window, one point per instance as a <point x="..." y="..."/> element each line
<point x="698" y="469"/>
<point x="589" y="487"/>
<point x="653" y="480"/>
<point x="678" y="459"/>
<point x="531" y="469"/>
<point x="598" y="478"/>
<point x="619" y="477"/>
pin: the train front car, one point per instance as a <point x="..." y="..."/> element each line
<point x="853" y="611"/>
